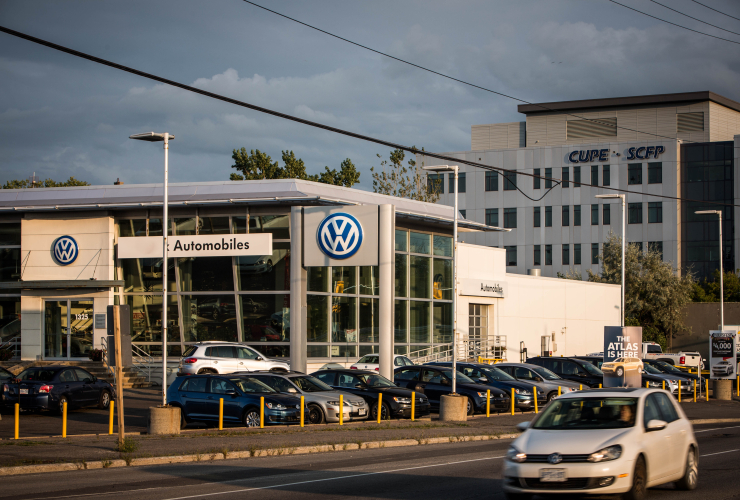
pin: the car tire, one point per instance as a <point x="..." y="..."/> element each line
<point x="104" y="401"/>
<point x="385" y="412"/>
<point x="639" y="482"/>
<point x="691" y="472"/>
<point x="315" y="415"/>
<point x="517" y="496"/>
<point x="251" y="418"/>
<point x="207" y="371"/>
<point x="620" y="372"/>
<point x="471" y="407"/>
<point x="62" y="400"/>
<point x="551" y="396"/>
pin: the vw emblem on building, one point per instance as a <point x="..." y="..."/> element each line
<point x="340" y="235"/>
<point x="65" y="250"/>
<point x="555" y="458"/>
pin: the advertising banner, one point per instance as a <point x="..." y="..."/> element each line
<point x="206" y="245"/>
<point x="622" y="364"/>
<point x="722" y="352"/>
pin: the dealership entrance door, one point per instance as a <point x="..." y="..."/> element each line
<point x="68" y="328"/>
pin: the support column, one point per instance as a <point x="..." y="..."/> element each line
<point x="386" y="234"/>
<point x="297" y="292"/>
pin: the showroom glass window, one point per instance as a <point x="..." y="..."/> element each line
<point x="10" y="298"/>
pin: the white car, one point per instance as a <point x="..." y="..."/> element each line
<point x="372" y="362"/>
<point x="723" y="369"/>
<point x="603" y="442"/>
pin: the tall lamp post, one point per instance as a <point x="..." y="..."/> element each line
<point x="162" y="137"/>
<point x="624" y="237"/>
<point x="721" y="268"/>
<point x="453" y="168"/>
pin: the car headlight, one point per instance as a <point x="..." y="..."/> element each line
<point x="336" y="403"/>
<point x="514" y="455"/>
<point x="405" y="401"/>
<point x="276" y="406"/>
<point x="483" y="394"/>
<point x="608" y="453"/>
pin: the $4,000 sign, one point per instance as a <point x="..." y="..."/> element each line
<point x="722" y="352"/>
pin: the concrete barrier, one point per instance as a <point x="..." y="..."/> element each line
<point x="163" y="420"/>
<point x="453" y="408"/>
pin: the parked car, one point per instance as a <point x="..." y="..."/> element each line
<point x="623" y="366"/>
<point x="226" y="357"/>
<point x="544" y="379"/>
<point x="610" y="441"/>
<point x="49" y="387"/>
<point x="653" y="378"/>
<point x="5" y="377"/>
<point x="216" y="308"/>
<point x="198" y="399"/>
<point x="372" y="362"/>
<point x="435" y="381"/>
<point x="577" y="370"/>
<point x="493" y="376"/>
<point x="368" y="384"/>
<point x="723" y="368"/>
<point x="321" y="399"/>
<point x="687" y="379"/>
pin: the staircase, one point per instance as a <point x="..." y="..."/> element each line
<point x="131" y="378"/>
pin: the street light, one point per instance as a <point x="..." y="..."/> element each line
<point x="624" y="237"/>
<point x="160" y="137"/>
<point x="454" y="168"/>
<point x="721" y="269"/>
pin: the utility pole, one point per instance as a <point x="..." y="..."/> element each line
<point x="119" y="371"/>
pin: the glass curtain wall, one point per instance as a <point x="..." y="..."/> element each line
<point x="10" y="270"/>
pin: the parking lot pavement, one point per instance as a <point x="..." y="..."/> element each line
<point x="460" y="470"/>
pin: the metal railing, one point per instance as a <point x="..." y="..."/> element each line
<point x="143" y="362"/>
<point x="467" y="350"/>
<point x="436" y="353"/>
<point x="14" y="345"/>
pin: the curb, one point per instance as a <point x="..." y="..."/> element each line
<point x="300" y="450"/>
<point x="701" y="421"/>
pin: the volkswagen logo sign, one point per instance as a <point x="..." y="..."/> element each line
<point x="65" y="250"/>
<point x="340" y="235"/>
<point x="555" y="458"/>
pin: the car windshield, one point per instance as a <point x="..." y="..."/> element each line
<point x="310" y="384"/>
<point x="5" y="373"/>
<point x="591" y="369"/>
<point x="40" y="374"/>
<point x="498" y="374"/>
<point x="668" y="368"/>
<point x="588" y="413"/>
<point x="545" y="373"/>
<point x="652" y="370"/>
<point x="372" y="359"/>
<point x="375" y="380"/>
<point x="461" y="377"/>
<point x="251" y="385"/>
<point x="190" y="351"/>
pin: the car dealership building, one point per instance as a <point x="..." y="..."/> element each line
<point x="312" y="272"/>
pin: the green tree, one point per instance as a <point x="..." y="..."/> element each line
<point x="404" y="181"/>
<point x="708" y="291"/>
<point x="655" y="293"/>
<point x="23" y="183"/>
<point x="571" y="274"/>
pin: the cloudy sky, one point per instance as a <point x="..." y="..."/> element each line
<point x="62" y="116"/>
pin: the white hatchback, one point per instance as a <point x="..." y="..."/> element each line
<point x="602" y="442"/>
<point x="372" y="362"/>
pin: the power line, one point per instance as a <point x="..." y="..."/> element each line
<point x="674" y="24"/>
<point x="322" y="126"/>
<point x="715" y="10"/>
<point x="545" y="108"/>
<point x="694" y="18"/>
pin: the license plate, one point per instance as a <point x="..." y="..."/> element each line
<point x="24" y="391"/>
<point x="552" y="475"/>
<point x="361" y="411"/>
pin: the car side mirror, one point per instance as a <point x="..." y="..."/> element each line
<point x="359" y="386"/>
<point x="445" y="381"/>
<point x="538" y="379"/>
<point x="483" y="380"/>
<point x="292" y="390"/>
<point x="260" y="358"/>
<point x="522" y="426"/>
<point x="233" y="394"/>
<point x="656" y="425"/>
<point x="87" y="381"/>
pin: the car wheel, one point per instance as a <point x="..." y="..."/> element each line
<point x="471" y="407"/>
<point x="517" y="496"/>
<point x="62" y="400"/>
<point x="551" y="396"/>
<point x="251" y="418"/>
<point x="691" y="473"/>
<point x="639" y="482"/>
<point x="315" y="415"/>
<point x="620" y="371"/>
<point x="385" y="412"/>
<point x="104" y="401"/>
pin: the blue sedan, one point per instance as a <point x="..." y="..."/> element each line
<point x="198" y="397"/>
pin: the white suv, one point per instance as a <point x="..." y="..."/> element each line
<point x="226" y="357"/>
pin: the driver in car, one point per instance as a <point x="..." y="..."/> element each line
<point x="626" y="415"/>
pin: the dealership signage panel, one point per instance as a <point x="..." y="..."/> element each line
<point x="211" y="245"/>
<point x="340" y="236"/>
<point x="483" y="288"/>
<point x="722" y="352"/>
<point x="622" y="364"/>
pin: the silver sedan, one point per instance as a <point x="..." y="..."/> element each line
<point x="545" y="380"/>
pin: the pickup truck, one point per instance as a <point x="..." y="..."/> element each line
<point x="651" y="350"/>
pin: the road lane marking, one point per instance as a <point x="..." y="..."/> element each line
<point x="718" y="453"/>
<point x="717" y="429"/>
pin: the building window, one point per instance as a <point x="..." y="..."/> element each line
<point x="655" y="212"/>
<point x="594" y="175"/>
<point x="634" y="173"/>
<point x="536" y="179"/>
<point x="509" y="181"/>
<point x="492" y="217"/>
<point x="595" y="215"/>
<point x="566" y="177"/>
<point x="634" y="213"/>
<point x="577" y="176"/>
<point x="566" y="215"/>
<point x="548" y="178"/>
<point x="538" y="255"/>
<point x="594" y="253"/>
<point x="510" y="218"/>
<point x="576" y="254"/>
<point x="436" y="183"/>
<point x="566" y="255"/>
<point x="548" y="216"/>
<point x="605" y="175"/>
<point x="637" y="244"/>
<point x="460" y="182"/>
<point x="655" y="173"/>
<point x="656" y="246"/>
<point x="491" y="181"/>
<point x="510" y="255"/>
<point x="576" y="215"/>
<point x="607" y="215"/>
<point x="537" y="216"/>
<point x="464" y="214"/>
<point x="548" y="255"/>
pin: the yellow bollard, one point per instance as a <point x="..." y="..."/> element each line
<point x="221" y="414"/>
<point x="536" y="410"/>
<point x="17" y="416"/>
<point x="707" y="389"/>
<point x="599" y="386"/>
<point x="301" y="411"/>
<point x="560" y="389"/>
<point x="110" y="418"/>
<point x="580" y="387"/>
<point x="647" y="385"/>
<point x="513" y="400"/>
<point x="738" y="386"/>
<point x="64" y="420"/>
<point x="341" y="409"/>
<point x="380" y="406"/>
<point x="262" y="412"/>
<point x="488" y="403"/>
<point x="679" y="391"/>
<point x="413" y="405"/>
<point x="694" y="390"/>
<point x="664" y="385"/>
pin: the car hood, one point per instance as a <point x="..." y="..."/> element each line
<point x="395" y="391"/>
<point x="483" y="388"/>
<point x="325" y="396"/>
<point x="563" y="383"/>
<point x="509" y="384"/>
<point x="568" y="442"/>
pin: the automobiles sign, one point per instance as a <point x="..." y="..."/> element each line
<point x="340" y="235"/>
<point x="65" y="250"/>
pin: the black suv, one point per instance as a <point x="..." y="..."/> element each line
<point x="577" y="370"/>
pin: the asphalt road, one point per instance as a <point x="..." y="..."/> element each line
<point x="463" y="470"/>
